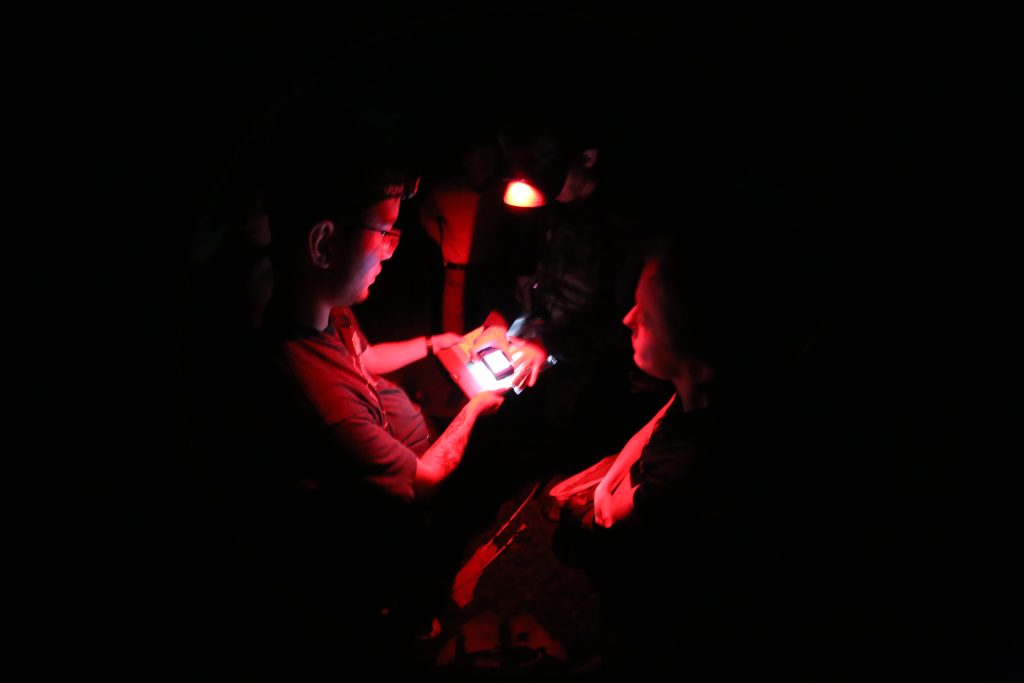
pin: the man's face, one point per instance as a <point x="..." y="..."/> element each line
<point x="373" y="248"/>
<point x="652" y="348"/>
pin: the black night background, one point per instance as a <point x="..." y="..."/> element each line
<point x="886" y="147"/>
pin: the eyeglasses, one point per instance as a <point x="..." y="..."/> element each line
<point x="389" y="238"/>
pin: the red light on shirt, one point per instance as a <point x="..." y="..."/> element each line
<point x="521" y="193"/>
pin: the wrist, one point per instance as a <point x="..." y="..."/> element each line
<point x="429" y="341"/>
<point x="474" y="407"/>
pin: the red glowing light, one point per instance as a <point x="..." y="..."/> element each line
<point x="521" y="193"/>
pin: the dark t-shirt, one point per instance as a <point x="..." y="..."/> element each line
<point x="376" y="430"/>
<point x="689" y="573"/>
<point x="672" y="561"/>
<point x="674" y="469"/>
<point x="331" y="491"/>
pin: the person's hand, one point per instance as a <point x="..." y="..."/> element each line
<point x="486" y="402"/>
<point x="445" y="340"/>
<point x="528" y="358"/>
<point x="602" y="505"/>
<point x="493" y="337"/>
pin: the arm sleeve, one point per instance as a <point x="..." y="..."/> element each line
<point x="664" y="478"/>
<point x="364" y="447"/>
<point x="379" y="458"/>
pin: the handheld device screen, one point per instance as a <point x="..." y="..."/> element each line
<point x="497" y="362"/>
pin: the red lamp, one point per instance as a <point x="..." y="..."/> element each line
<point x="521" y="193"/>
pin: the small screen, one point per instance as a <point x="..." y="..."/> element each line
<point x="498" y="363"/>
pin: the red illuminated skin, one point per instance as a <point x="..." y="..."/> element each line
<point x="336" y="277"/>
<point x="386" y="357"/>
<point x="333" y="275"/>
<point x="652" y="349"/>
<point x="374" y="250"/>
<point x="343" y="287"/>
<point x="653" y="353"/>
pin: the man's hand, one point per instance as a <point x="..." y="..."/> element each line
<point x="445" y="454"/>
<point x="528" y="358"/>
<point x="602" y="506"/>
<point x="445" y="340"/>
<point x="486" y="402"/>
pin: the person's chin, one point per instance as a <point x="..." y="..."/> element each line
<point x="362" y="296"/>
<point x="637" y="362"/>
<point x="645" y="367"/>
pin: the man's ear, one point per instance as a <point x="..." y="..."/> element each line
<point x="589" y="157"/>
<point x="320" y="252"/>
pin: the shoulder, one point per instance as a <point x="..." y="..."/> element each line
<point x="680" y="443"/>
<point x="323" y="370"/>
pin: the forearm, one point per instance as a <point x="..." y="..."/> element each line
<point x="613" y="497"/>
<point x="383" y="358"/>
<point x="616" y="473"/>
<point x="445" y="454"/>
<point x="622" y="503"/>
<point x="632" y="451"/>
<point x="629" y="454"/>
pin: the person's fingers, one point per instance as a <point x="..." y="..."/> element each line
<point x="494" y="403"/>
<point x="529" y="375"/>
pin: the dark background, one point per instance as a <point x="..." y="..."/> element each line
<point x="888" y="145"/>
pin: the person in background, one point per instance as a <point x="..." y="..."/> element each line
<point x="464" y="215"/>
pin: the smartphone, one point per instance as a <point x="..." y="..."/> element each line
<point x="497" y="362"/>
